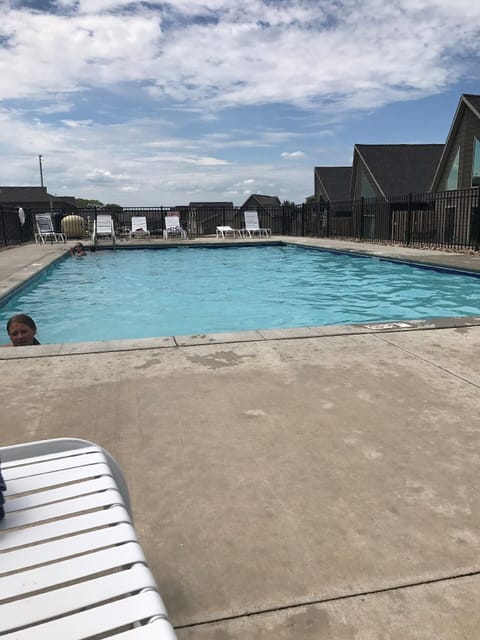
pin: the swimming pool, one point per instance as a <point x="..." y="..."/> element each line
<point x="190" y="290"/>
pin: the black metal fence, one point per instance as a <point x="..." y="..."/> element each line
<point x="450" y="219"/>
<point x="12" y="231"/>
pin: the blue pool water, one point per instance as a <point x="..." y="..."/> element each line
<point x="150" y="292"/>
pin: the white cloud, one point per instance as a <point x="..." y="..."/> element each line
<point x="292" y="155"/>
<point x="91" y="59"/>
<point x="253" y="52"/>
<point x="77" y="123"/>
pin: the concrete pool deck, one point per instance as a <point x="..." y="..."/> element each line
<point x="285" y="485"/>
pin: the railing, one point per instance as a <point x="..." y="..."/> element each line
<point x="449" y="219"/>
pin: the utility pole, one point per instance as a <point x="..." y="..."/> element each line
<point x="41" y="172"/>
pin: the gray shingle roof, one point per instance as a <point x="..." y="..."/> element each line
<point x="336" y="182"/>
<point x="473" y="100"/>
<point x="212" y="204"/>
<point x="24" y="194"/>
<point x="264" y="200"/>
<point x="467" y="101"/>
<point x="401" y="168"/>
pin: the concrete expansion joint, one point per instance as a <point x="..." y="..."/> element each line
<point x="429" y="362"/>
<point x="348" y="596"/>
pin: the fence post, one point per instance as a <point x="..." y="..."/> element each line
<point x="327" y="221"/>
<point x="408" y="230"/>
<point x="362" y="209"/>
<point x="4" y="230"/>
<point x="390" y="221"/>
<point x="477" y="223"/>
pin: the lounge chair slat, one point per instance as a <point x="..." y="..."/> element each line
<point x="68" y="526"/>
<point x="97" y="620"/>
<point x="103" y="483"/>
<point x="66" y="508"/>
<point x="48" y="466"/>
<point x="35" y="609"/>
<point x="157" y="630"/>
<point x="57" y="550"/>
<point x="58" y="573"/>
<point x="43" y="481"/>
<point x="40" y="607"/>
<point x="6" y="464"/>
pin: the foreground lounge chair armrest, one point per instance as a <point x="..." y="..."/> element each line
<point x="71" y="564"/>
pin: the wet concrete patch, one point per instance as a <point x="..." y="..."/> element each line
<point x="218" y="359"/>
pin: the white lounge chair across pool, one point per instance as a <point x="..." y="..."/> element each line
<point x="139" y="227"/>
<point x="103" y="227"/>
<point x="46" y="230"/>
<point x="71" y="566"/>
<point x="252" y="225"/>
<point x="173" y="228"/>
<point x="228" y="232"/>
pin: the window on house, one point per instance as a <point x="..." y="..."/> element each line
<point x="452" y="179"/>
<point x="476" y="163"/>
<point x="366" y="189"/>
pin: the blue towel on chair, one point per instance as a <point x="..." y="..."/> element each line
<point x="3" y="487"/>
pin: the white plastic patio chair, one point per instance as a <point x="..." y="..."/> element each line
<point x="173" y="228"/>
<point x="46" y="230"/>
<point x="226" y="231"/>
<point x="139" y="227"/>
<point x="71" y="565"/>
<point x="252" y="225"/>
<point x="103" y="227"/>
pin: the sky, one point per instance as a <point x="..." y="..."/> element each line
<point x="165" y="103"/>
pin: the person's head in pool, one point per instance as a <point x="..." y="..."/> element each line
<point x="78" y="250"/>
<point x="21" y="330"/>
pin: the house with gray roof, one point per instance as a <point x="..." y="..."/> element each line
<point x="332" y="184"/>
<point x="386" y="170"/>
<point x="459" y="164"/>
<point x="35" y="199"/>
<point x="458" y="170"/>
<point x="257" y="202"/>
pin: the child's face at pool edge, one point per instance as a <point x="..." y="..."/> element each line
<point x="21" y="335"/>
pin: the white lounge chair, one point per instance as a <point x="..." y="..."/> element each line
<point x="139" y="227"/>
<point x="71" y="565"/>
<point x="45" y="229"/>
<point x="173" y="228"/>
<point x="103" y="227"/>
<point x="252" y="225"/>
<point x="228" y="232"/>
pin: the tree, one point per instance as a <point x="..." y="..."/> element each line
<point x="82" y="203"/>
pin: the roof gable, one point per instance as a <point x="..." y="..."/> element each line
<point x="336" y="182"/>
<point x="400" y="168"/>
<point x="264" y="201"/>
<point x="467" y="101"/>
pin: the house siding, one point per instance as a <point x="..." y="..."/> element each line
<point x="468" y="129"/>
